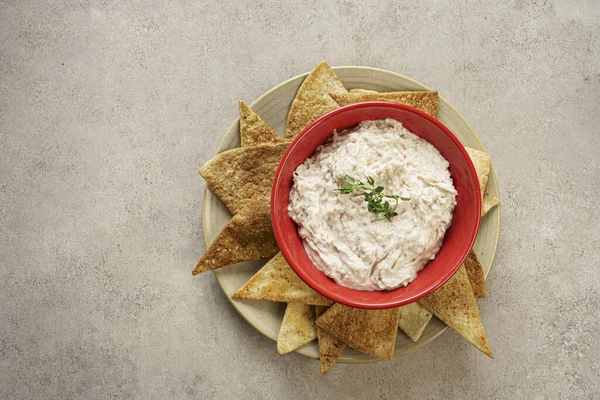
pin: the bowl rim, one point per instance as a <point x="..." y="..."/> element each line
<point x="302" y="273"/>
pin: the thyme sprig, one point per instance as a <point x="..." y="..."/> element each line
<point x="374" y="196"/>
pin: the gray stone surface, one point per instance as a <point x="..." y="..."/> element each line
<point x="108" y="108"/>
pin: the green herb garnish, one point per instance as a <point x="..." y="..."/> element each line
<point x="374" y="196"/>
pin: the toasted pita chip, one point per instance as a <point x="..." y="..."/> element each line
<point x="253" y="130"/>
<point x="489" y="201"/>
<point x="298" y="327"/>
<point x="362" y="91"/>
<point x="330" y="349"/>
<point x="475" y="273"/>
<point x="312" y="99"/>
<point x="413" y="320"/>
<point x="247" y="236"/>
<point x="372" y="332"/>
<point x="482" y="163"/>
<point x="454" y="303"/>
<point x="238" y="174"/>
<point x="277" y="281"/>
<point x="428" y="102"/>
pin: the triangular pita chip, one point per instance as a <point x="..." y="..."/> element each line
<point x="330" y="349"/>
<point x="312" y="99"/>
<point x="238" y="174"/>
<point x="428" y="101"/>
<point x="253" y="130"/>
<point x="475" y="274"/>
<point x="482" y="163"/>
<point x="247" y="236"/>
<point x="489" y="201"/>
<point x="454" y="303"/>
<point x="372" y="332"/>
<point x="413" y="320"/>
<point x="297" y="328"/>
<point x="277" y="281"/>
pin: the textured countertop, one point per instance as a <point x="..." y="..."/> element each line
<point x="108" y="108"/>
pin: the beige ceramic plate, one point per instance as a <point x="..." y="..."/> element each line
<point x="273" y="107"/>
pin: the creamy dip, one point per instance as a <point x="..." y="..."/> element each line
<point x="337" y="229"/>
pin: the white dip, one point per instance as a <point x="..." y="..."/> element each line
<point x="337" y="229"/>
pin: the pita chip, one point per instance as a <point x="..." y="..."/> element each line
<point x="475" y="274"/>
<point x="253" y="130"/>
<point x="277" y="281"/>
<point x="482" y="162"/>
<point x="330" y="349"/>
<point x="372" y="332"/>
<point x="237" y="175"/>
<point x="312" y="99"/>
<point x="426" y="101"/>
<point x="298" y="327"/>
<point x="454" y="303"/>
<point x="413" y="320"/>
<point x="489" y="201"/>
<point x="247" y="236"/>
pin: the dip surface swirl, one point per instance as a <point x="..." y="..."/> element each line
<point x="337" y="229"/>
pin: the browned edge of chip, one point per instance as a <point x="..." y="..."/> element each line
<point x="358" y="90"/>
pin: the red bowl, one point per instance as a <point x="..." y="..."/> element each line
<point x="459" y="237"/>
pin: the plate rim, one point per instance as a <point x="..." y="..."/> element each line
<point x="492" y="175"/>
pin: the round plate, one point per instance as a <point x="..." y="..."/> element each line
<point x="273" y="107"/>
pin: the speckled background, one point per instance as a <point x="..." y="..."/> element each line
<point x="108" y="108"/>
